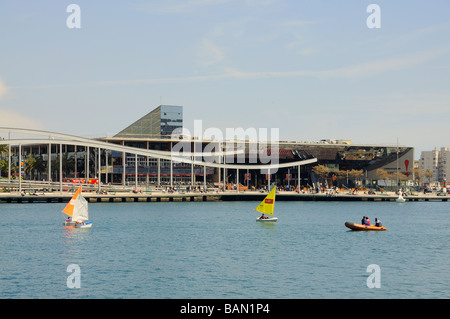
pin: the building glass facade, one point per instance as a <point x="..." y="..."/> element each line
<point x="160" y="122"/>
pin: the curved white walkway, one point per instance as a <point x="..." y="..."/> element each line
<point x="184" y="157"/>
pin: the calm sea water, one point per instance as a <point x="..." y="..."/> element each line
<point x="218" y="250"/>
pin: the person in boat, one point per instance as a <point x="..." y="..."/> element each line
<point x="363" y="220"/>
<point x="262" y="217"/>
<point x="68" y="220"/>
<point x="367" y="221"/>
<point x="378" y="222"/>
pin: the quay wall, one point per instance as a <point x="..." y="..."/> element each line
<point x="92" y="197"/>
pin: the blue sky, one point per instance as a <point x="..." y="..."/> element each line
<point x="313" y="69"/>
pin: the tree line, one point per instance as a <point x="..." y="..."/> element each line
<point x="329" y="175"/>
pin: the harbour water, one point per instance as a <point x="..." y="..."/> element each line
<point x="217" y="250"/>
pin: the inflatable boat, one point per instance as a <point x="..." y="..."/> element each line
<point x="354" y="226"/>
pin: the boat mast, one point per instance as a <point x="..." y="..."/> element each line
<point x="397" y="167"/>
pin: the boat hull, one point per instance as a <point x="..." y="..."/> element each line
<point x="68" y="223"/>
<point x="355" y="226"/>
<point x="267" y="220"/>
<point x="79" y="225"/>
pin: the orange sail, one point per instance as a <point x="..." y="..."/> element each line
<point x="71" y="204"/>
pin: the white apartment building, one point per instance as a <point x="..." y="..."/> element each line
<point x="444" y="164"/>
<point x="437" y="162"/>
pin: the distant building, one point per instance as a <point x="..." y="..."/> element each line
<point x="429" y="162"/>
<point x="437" y="162"/>
<point x="444" y="164"/>
<point x="160" y="122"/>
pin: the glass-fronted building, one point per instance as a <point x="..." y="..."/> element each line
<point x="161" y="122"/>
<point x="155" y="132"/>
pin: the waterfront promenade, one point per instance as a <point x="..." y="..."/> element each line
<point x="230" y="195"/>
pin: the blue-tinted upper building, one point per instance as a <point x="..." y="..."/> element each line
<point x="160" y="122"/>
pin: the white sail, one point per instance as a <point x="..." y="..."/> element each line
<point x="80" y="210"/>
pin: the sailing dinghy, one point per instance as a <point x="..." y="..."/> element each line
<point x="266" y="207"/>
<point x="400" y="198"/>
<point x="77" y="210"/>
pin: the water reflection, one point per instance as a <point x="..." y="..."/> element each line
<point x="75" y="240"/>
<point x="70" y="232"/>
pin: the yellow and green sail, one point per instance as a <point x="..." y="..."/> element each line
<point x="267" y="205"/>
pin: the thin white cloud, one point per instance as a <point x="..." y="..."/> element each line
<point x="177" y="7"/>
<point x="441" y="67"/>
<point x="189" y="6"/>
<point x="423" y="32"/>
<point x="354" y="71"/>
<point x="395" y="40"/>
<point x="381" y="66"/>
<point x="413" y="104"/>
<point x="299" y="23"/>
<point x="307" y="51"/>
<point x="209" y="53"/>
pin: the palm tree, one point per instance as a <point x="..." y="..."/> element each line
<point x="68" y="164"/>
<point x="3" y="148"/>
<point x="3" y="160"/>
<point x="4" y="167"/>
<point x="34" y="164"/>
<point x="4" y="163"/>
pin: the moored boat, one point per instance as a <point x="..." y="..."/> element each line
<point x="400" y="198"/>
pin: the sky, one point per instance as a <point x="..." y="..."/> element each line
<point x="311" y="69"/>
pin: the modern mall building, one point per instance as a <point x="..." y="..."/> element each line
<point x="143" y="154"/>
<point x="336" y="154"/>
